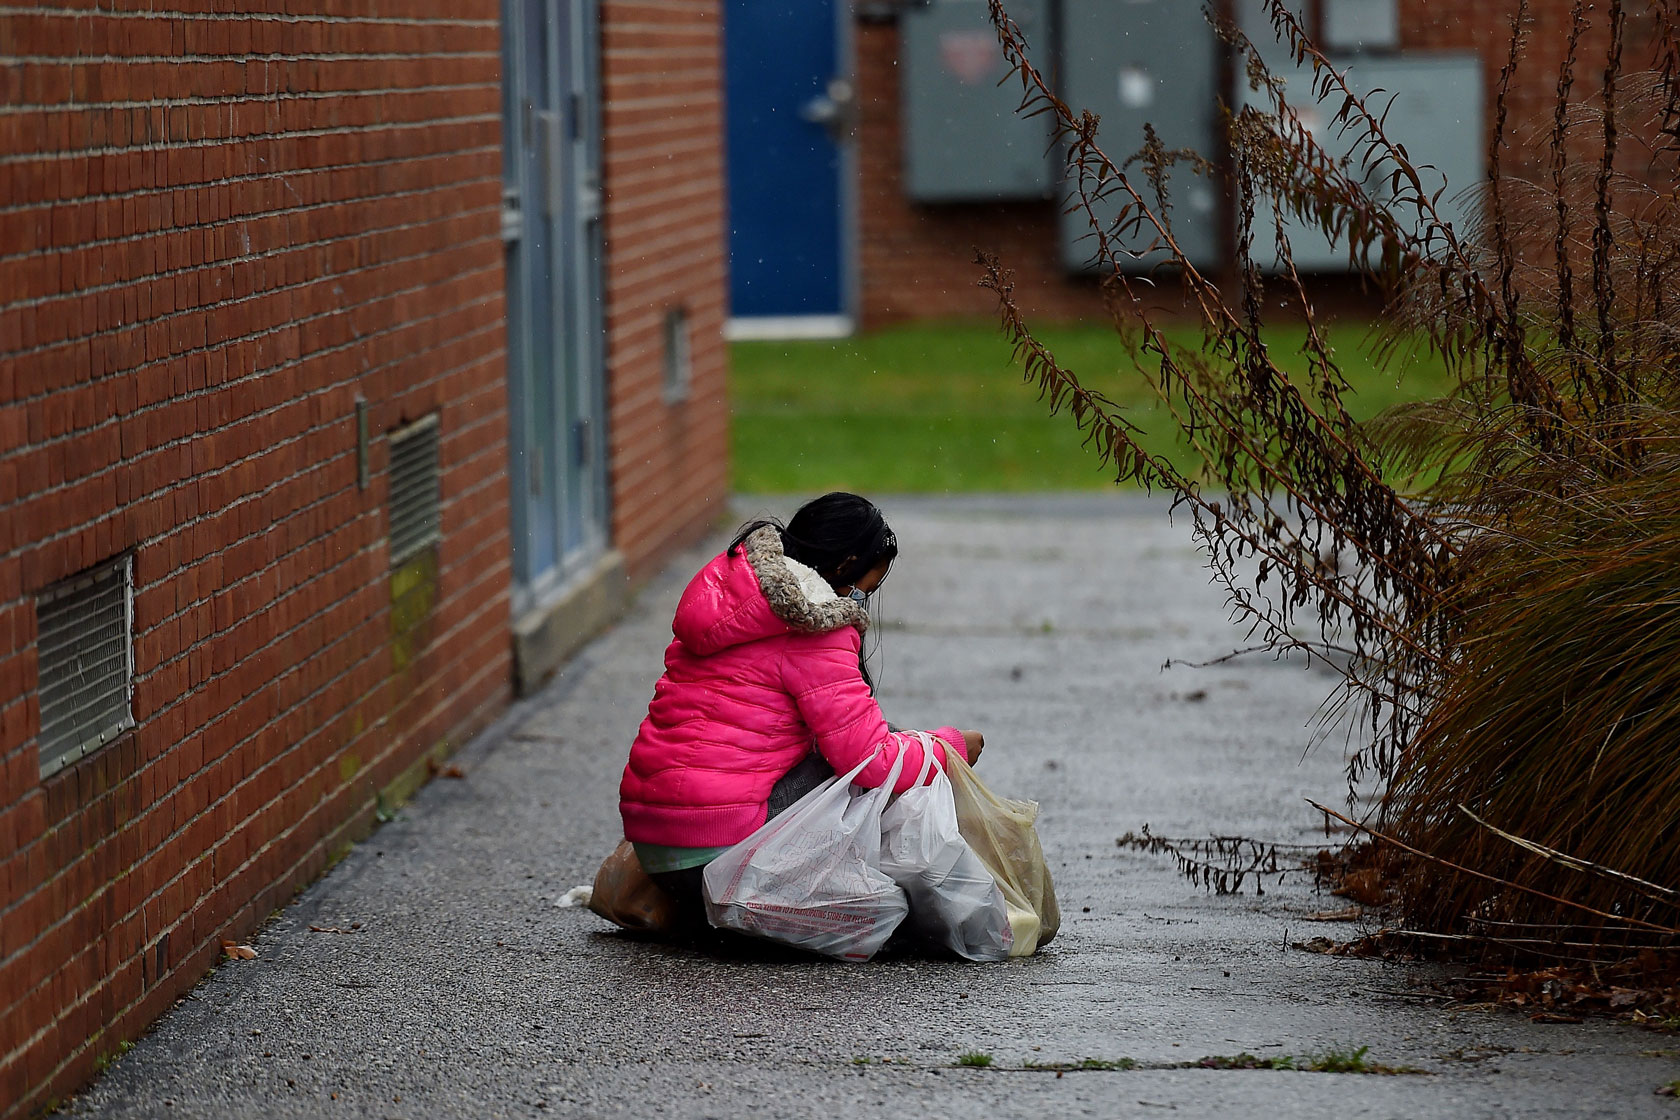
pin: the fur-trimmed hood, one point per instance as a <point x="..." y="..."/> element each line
<point x="758" y="592"/>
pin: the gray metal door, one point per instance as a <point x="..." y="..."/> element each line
<point x="551" y="225"/>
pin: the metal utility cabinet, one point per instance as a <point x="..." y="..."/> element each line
<point x="1361" y="25"/>
<point x="1433" y="104"/>
<point x="1146" y="61"/>
<point x="963" y="139"/>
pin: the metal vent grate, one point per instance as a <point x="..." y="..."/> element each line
<point x="414" y="489"/>
<point x="86" y="660"/>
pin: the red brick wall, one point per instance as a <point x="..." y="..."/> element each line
<point x="216" y="231"/>
<point x="665" y="205"/>
<point x="915" y="258"/>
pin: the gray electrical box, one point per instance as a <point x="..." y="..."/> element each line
<point x="1434" y="107"/>
<point x="963" y="139"/>
<point x="1146" y="61"/>
<point x="1343" y="25"/>
<point x="1361" y="25"/>
<point x="1255" y="19"/>
<point x="1437" y="114"/>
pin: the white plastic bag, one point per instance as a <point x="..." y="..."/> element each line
<point x="811" y="877"/>
<point x="954" y="899"/>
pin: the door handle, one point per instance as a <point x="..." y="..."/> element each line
<point x="552" y="153"/>
<point x="835" y="109"/>
<point x="513" y="218"/>
<point x="589" y="198"/>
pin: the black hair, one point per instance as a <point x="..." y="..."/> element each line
<point x="843" y="536"/>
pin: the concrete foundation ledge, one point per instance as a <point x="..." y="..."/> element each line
<point x="557" y="627"/>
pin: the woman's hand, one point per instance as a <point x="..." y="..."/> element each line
<point x="973" y="741"/>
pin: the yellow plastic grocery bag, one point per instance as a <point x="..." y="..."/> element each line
<point x="1000" y="831"/>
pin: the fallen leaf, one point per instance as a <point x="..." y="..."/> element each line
<point x="329" y="929"/>
<point x="1553" y="1017"/>
<point x="1316" y="945"/>
<point x="239" y="952"/>
<point x="438" y="770"/>
<point x="1363" y="885"/>
<point x="1345" y="914"/>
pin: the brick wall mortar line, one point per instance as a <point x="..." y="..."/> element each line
<point x="289" y="325"/>
<point x="233" y="222"/>
<point x="302" y="250"/>
<point x="363" y="272"/>
<point x="365" y="554"/>
<point x="228" y="100"/>
<point x="172" y="15"/>
<point x="449" y="154"/>
<point x="224" y="60"/>
<point x="161" y="146"/>
<point x="231" y="304"/>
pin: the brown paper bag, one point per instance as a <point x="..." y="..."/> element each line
<point x="627" y="897"/>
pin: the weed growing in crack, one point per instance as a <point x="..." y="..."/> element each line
<point x="1092" y="1065"/>
<point x="1333" y="1060"/>
<point x="1336" y="1060"/>
<point x="1245" y="1060"/>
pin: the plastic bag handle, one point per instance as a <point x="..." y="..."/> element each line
<point x="850" y="776"/>
<point x="894" y="772"/>
<point x="930" y="760"/>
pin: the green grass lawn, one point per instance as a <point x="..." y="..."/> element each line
<point x="941" y="407"/>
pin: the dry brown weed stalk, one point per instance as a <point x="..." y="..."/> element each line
<point x="1493" y="571"/>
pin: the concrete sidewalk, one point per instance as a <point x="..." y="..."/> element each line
<point x="463" y="991"/>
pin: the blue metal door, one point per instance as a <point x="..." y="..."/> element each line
<point x="551" y="227"/>
<point x="789" y="102"/>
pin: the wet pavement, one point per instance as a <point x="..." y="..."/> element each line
<point x="466" y="992"/>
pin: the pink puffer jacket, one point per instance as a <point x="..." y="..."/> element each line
<point x="765" y="663"/>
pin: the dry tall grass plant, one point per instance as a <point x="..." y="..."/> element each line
<point x="1493" y="572"/>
